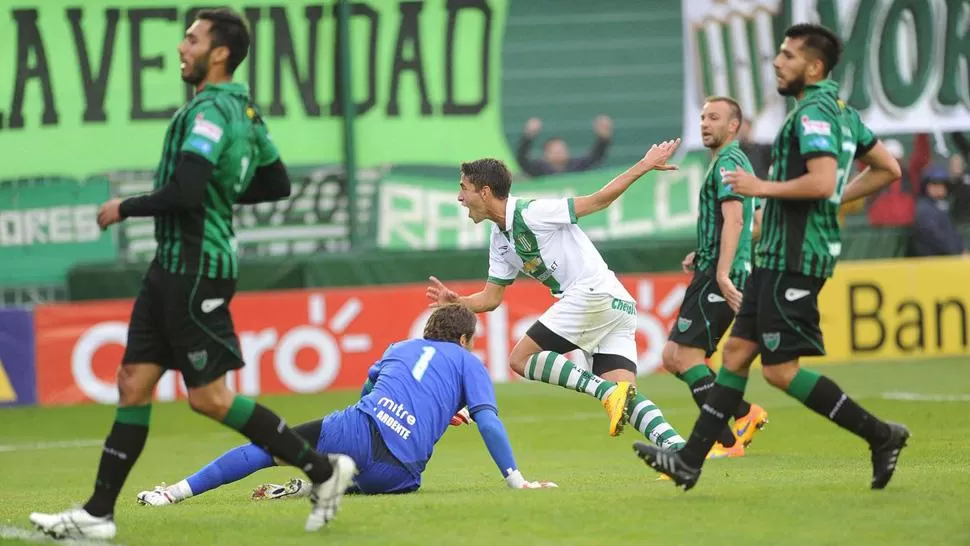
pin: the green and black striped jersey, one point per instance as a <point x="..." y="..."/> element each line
<point x="803" y="235"/>
<point x="710" y="221"/>
<point x="222" y="125"/>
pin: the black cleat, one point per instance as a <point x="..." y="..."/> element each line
<point x="669" y="463"/>
<point x="885" y="456"/>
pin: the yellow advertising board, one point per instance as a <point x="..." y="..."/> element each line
<point x="895" y="309"/>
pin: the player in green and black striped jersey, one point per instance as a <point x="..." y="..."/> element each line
<point x="216" y="153"/>
<point x="720" y="264"/>
<point x="812" y="157"/>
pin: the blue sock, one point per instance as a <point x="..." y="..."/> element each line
<point x="233" y="465"/>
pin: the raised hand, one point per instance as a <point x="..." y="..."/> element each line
<point x="439" y="294"/>
<point x="656" y="158"/>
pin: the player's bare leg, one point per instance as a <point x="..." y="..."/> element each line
<point x="136" y="383"/>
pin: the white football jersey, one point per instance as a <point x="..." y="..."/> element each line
<point x="541" y="238"/>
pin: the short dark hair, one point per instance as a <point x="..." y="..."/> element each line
<point x="228" y="29"/>
<point x="823" y="43"/>
<point x="450" y="322"/>
<point x="488" y="172"/>
<point x="733" y="104"/>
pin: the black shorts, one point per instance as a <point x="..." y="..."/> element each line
<point x="779" y="312"/>
<point x="183" y="323"/>
<point x="704" y="315"/>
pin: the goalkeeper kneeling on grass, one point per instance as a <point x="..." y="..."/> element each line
<point x="411" y="396"/>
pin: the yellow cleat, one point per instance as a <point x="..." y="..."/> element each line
<point x="721" y="452"/>
<point x="616" y="405"/>
<point x="746" y="427"/>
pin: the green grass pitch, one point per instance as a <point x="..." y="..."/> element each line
<point x="804" y="480"/>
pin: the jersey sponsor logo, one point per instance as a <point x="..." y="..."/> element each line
<point x="524" y="243"/>
<point x="198" y="359"/>
<point x="714" y="298"/>
<point x="211" y="304"/>
<point x="815" y="127"/>
<point x="820" y="143"/>
<point x="504" y="249"/>
<point x="206" y="129"/>
<point x="624" y="306"/>
<point x="201" y="145"/>
<point x="772" y="340"/>
<point x="795" y="294"/>
<point x="683" y="324"/>
<point x="392" y="418"/>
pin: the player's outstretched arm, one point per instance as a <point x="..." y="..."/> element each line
<point x="483" y="301"/>
<point x="270" y="183"/>
<point x="654" y="160"/>
<point x="882" y="168"/>
<point x="497" y="442"/>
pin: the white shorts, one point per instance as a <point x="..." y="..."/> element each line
<point x="596" y="323"/>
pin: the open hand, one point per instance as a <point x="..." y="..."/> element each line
<point x="656" y="158"/>
<point x="439" y="294"/>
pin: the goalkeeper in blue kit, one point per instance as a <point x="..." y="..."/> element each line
<point x="411" y="396"/>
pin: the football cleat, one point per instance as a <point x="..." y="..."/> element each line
<point x="721" y="452"/>
<point x="616" y="405"/>
<point x="325" y="497"/>
<point x="293" y="489"/>
<point x="884" y="457"/>
<point x="746" y="427"/>
<point x="74" y="523"/>
<point x="159" y="496"/>
<point x="669" y="463"/>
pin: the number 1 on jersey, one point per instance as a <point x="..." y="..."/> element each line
<point x="421" y="366"/>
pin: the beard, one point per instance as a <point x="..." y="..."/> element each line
<point x="714" y="141"/>
<point x="793" y="88"/>
<point x="199" y="69"/>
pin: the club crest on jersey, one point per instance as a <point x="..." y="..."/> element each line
<point x="532" y="265"/>
<point x="814" y="127"/>
<point x="206" y="129"/>
<point x="772" y="340"/>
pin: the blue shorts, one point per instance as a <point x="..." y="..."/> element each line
<point x="353" y="433"/>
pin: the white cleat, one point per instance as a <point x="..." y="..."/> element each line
<point x="74" y="523"/>
<point x="326" y="496"/>
<point x="293" y="489"/>
<point x="160" y="496"/>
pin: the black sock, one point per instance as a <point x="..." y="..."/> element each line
<point x="824" y="397"/>
<point x="266" y="429"/>
<point x="700" y="379"/>
<point x="121" y="449"/>
<point x="723" y="397"/>
<point x="743" y="408"/>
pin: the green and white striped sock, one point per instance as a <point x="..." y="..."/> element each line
<point x="649" y="420"/>
<point x="555" y="369"/>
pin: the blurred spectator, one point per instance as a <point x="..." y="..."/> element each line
<point x="934" y="233"/>
<point x="960" y="188"/>
<point x="758" y="154"/>
<point x="555" y="152"/>
<point x="895" y="205"/>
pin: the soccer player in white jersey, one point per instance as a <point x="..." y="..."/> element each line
<point x="594" y="312"/>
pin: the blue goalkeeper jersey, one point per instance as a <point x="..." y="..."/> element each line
<point x="418" y="386"/>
